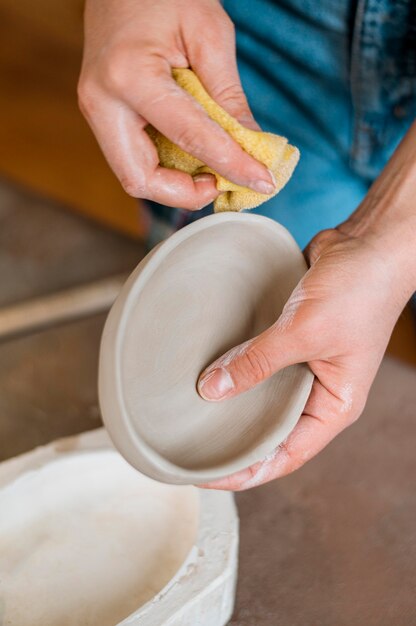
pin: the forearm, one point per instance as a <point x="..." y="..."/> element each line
<point x="387" y="216"/>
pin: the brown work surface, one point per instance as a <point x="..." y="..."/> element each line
<point x="48" y="380"/>
<point x="332" y="545"/>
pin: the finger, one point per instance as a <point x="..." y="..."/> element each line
<point x="134" y="159"/>
<point x="324" y="417"/>
<point x="290" y="340"/>
<point x="218" y="71"/>
<point x="180" y="118"/>
<point x="153" y="93"/>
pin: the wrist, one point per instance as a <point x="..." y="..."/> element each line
<point x="393" y="245"/>
<point x="386" y="219"/>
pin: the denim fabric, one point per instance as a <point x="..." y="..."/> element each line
<point x="338" y="78"/>
<point x="383" y="81"/>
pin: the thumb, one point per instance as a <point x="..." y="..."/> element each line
<point x="252" y="362"/>
<point x="218" y="71"/>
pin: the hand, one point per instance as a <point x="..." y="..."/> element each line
<point x="338" y="320"/>
<point x="126" y="83"/>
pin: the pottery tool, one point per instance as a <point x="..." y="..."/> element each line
<point x="57" y="308"/>
<point x="209" y="287"/>
<point x="271" y="150"/>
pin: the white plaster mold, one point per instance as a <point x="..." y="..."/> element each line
<point x="85" y="540"/>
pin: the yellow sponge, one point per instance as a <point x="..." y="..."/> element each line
<point x="272" y="150"/>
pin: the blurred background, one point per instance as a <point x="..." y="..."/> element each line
<point x="68" y="237"/>
<point x="65" y="223"/>
<point x="45" y="143"/>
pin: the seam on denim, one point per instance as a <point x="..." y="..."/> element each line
<point x="355" y="78"/>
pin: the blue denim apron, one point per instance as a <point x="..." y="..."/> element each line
<point x="338" y="78"/>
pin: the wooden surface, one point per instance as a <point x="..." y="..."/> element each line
<point x="45" y="142"/>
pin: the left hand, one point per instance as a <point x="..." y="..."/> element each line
<point x="339" y="320"/>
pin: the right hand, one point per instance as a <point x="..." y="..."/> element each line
<point x="126" y="83"/>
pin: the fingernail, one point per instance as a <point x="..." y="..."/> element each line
<point x="262" y="186"/>
<point x="203" y="178"/>
<point x="273" y="177"/>
<point x="216" y="384"/>
<point x="249" y="122"/>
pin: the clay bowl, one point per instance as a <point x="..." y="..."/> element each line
<point x="210" y="286"/>
<point x="88" y="541"/>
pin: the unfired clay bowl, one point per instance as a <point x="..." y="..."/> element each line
<point x="85" y="540"/>
<point x="209" y="287"/>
